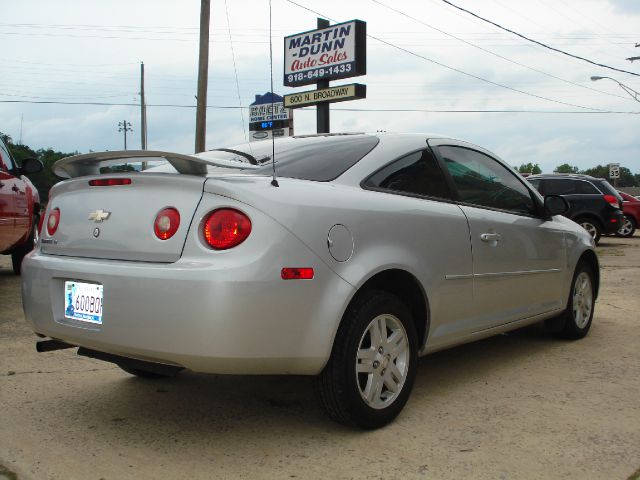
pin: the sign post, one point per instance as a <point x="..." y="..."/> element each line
<point x="322" y="110"/>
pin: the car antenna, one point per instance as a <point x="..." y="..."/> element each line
<point x="274" y="181"/>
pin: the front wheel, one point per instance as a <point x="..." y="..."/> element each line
<point x="628" y="227"/>
<point x="576" y="320"/>
<point x="370" y="374"/>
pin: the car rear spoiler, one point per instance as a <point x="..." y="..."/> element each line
<point x="90" y="163"/>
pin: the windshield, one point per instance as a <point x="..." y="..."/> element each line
<point x="321" y="159"/>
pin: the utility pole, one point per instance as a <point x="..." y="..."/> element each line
<point x="203" y="76"/>
<point x="125" y="127"/>
<point x="143" y="115"/>
<point x="322" y="109"/>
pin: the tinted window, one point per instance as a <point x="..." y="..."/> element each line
<point x="557" y="186"/>
<point x="317" y="158"/>
<point x="481" y="180"/>
<point x="417" y="173"/>
<point x="585" y="187"/>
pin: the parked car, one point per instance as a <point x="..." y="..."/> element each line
<point x="19" y="207"/>
<point x="593" y="202"/>
<point x="358" y="254"/>
<point x="631" y="210"/>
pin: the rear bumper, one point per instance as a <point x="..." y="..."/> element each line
<point x="613" y="222"/>
<point x="195" y="314"/>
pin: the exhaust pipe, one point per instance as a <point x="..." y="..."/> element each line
<point x="51" y="345"/>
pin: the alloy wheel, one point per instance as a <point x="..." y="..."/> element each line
<point x="582" y="300"/>
<point x="382" y="361"/>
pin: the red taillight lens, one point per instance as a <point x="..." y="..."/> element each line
<point x="109" y="182"/>
<point x="612" y="200"/>
<point x="297" y="273"/>
<point x="53" y="221"/>
<point x="167" y="223"/>
<point x="226" y="228"/>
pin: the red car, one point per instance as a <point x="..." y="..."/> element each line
<point x="19" y="207"/>
<point x="631" y="210"/>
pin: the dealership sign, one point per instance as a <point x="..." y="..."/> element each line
<point x="330" y="53"/>
<point x="353" y="91"/>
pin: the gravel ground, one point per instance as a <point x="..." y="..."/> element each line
<point x="523" y="405"/>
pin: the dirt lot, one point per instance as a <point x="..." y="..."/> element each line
<point x="515" y="406"/>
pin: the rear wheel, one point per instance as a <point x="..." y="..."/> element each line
<point x="628" y="227"/>
<point x="370" y="374"/>
<point x="19" y="253"/>
<point x="591" y="226"/>
<point x="576" y="320"/>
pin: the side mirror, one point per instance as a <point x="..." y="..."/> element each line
<point x="555" y="205"/>
<point x="31" y="165"/>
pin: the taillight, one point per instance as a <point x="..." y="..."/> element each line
<point x="297" y="273"/>
<point x="166" y="223"/>
<point x="612" y="200"/>
<point x="226" y="228"/>
<point x="53" y="221"/>
<point x="109" y="182"/>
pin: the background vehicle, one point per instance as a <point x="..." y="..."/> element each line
<point x="356" y="260"/>
<point x="631" y="210"/>
<point x="593" y="202"/>
<point x="19" y="207"/>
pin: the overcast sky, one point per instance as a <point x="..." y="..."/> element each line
<point x="81" y="51"/>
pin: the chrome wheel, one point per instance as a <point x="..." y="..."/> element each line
<point x="382" y="361"/>
<point x="590" y="228"/>
<point x="627" y="227"/>
<point x="582" y="300"/>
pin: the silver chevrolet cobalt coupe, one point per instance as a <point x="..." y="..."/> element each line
<point x="364" y="252"/>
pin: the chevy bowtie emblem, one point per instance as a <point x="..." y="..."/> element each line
<point x="99" y="215"/>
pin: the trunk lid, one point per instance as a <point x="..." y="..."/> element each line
<point x="128" y="231"/>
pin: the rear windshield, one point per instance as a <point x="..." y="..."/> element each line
<point x="320" y="159"/>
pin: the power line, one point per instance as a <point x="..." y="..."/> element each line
<point x="400" y="110"/>
<point x="540" y="43"/>
<point x="494" y="53"/>
<point x="410" y="52"/>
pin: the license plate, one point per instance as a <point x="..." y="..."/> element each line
<point x="83" y="301"/>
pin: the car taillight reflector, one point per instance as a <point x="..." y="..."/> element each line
<point x="297" y="273"/>
<point x="226" y="228"/>
<point x="612" y="200"/>
<point x="108" y="182"/>
<point x="53" y="221"/>
<point x="166" y="223"/>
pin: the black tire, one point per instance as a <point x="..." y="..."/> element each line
<point x="145" y="373"/>
<point x="339" y="386"/>
<point x="592" y="226"/>
<point x="628" y="227"/>
<point x="19" y="253"/>
<point x="571" y="325"/>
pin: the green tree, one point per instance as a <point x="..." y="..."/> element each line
<point x="627" y="179"/>
<point x="45" y="179"/>
<point x="566" y="168"/>
<point x="529" y="168"/>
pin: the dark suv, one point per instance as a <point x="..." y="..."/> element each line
<point x="593" y="203"/>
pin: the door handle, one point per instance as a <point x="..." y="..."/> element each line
<point x="490" y="237"/>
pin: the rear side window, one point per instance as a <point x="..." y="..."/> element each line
<point x="416" y="174"/>
<point x="5" y="158"/>
<point x="559" y="186"/>
<point x="585" y="187"/>
<point x="320" y="159"/>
